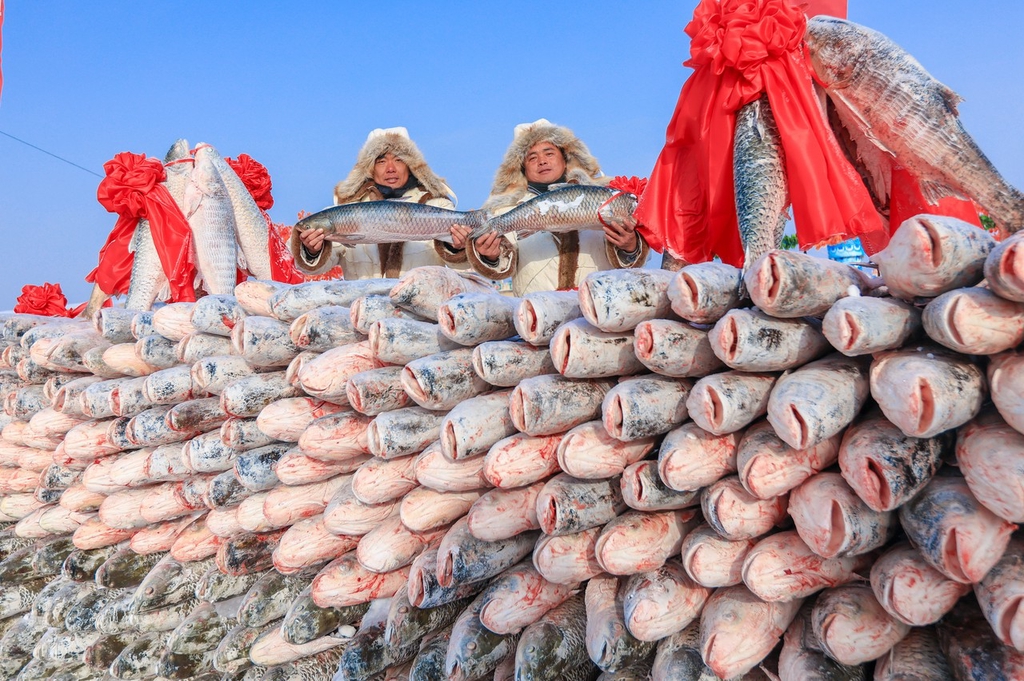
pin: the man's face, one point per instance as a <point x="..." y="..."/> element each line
<point x="544" y="163"/>
<point x="390" y="171"/>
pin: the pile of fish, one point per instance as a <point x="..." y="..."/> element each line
<point x="652" y="477"/>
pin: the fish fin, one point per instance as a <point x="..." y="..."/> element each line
<point x="523" y="233"/>
<point x="873" y="160"/>
<point x="165" y="291"/>
<point x="240" y="260"/>
<point x="951" y="98"/>
<point x="934" y="192"/>
<point x="560" y="185"/>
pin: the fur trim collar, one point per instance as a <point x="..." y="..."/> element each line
<point x="510" y="184"/>
<point x="378" y="143"/>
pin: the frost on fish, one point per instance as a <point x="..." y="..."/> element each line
<point x="618" y="300"/>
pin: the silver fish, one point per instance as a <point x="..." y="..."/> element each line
<point x="882" y="90"/>
<point x="565" y="209"/>
<point x="381" y="222"/>
<point x="759" y="179"/>
<point x="211" y="219"/>
<point x="252" y="229"/>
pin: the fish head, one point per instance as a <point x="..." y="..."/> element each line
<point x="179" y="150"/>
<point x="619" y="208"/>
<point x="835" y="46"/>
<point x="318" y="220"/>
<point x="538" y="651"/>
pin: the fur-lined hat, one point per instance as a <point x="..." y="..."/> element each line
<point x="510" y="183"/>
<point x="378" y="143"/>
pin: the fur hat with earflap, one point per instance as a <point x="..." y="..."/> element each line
<point x="378" y="143"/>
<point x="510" y="184"/>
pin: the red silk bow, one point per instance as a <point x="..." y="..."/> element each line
<point x="738" y="49"/>
<point x="133" y="189"/>
<point x="256" y="178"/>
<point x="48" y="300"/>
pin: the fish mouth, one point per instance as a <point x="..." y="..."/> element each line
<point x="879" y="490"/>
<point x="716" y="409"/>
<point x="932" y="243"/>
<point x="772" y="275"/>
<point x="689" y="291"/>
<point x="952" y="557"/>
<point x="643" y="341"/>
<point x="375" y="440"/>
<point x="728" y="340"/>
<point x="836" y="532"/>
<point x="849" y="331"/>
<point x="517" y="409"/>
<point x="455" y="672"/>
<point x="412" y="385"/>
<point x="634" y="480"/>
<point x="949" y="320"/>
<point x="799" y="429"/>
<point x="449" y="446"/>
<point x="1011" y="267"/>
<point x="926" y="406"/>
<point x="587" y="305"/>
<point x="1010" y="630"/>
<point x="446" y="319"/>
<point x="613" y="417"/>
<point x="446" y="569"/>
<point x="355" y="398"/>
<point x="238" y="339"/>
<point x="527" y="318"/>
<point x="549" y="516"/>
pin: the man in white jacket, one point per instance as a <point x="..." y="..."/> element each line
<point x="389" y="167"/>
<point x="543" y="154"/>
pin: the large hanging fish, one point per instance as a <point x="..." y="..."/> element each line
<point x="883" y="94"/>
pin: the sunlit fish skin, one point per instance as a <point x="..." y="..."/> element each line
<point x="380" y="222"/>
<point x="211" y="219"/>
<point x="759" y="177"/>
<point x="888" y="94"/>
<point x="566" y="209"/>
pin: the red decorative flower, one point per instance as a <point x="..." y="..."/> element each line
<point x="633" y="185"/>
<point x="740" y="36"/>
<point x="46" y="300"/>
<point x="255" y="177"/>
<point x="130" y="177"/>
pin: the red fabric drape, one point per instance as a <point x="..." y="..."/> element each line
<point x="906" y="200"/>
<point x="133" y="189"/>
<point x="739" y="49"/>
<point x="256" y="178"/>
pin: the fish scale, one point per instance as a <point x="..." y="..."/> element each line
<point x="759" y="178"/>
<point x="376" y="222"/>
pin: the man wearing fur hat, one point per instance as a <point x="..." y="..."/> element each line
<point x="544" y="154"/>
<point x="389" y="167"/>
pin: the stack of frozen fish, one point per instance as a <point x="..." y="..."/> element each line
<point x="656" y="476"/>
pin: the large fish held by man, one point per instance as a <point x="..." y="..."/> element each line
<point x="381" y="222"/>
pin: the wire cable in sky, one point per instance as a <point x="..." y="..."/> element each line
<point x="59" y="158"/>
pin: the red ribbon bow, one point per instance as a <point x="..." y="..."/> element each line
<point x="48" y="300"/>
<point x="134" y="189"/>
<point x="255" y="177"/>
<point x="740" y="48"/>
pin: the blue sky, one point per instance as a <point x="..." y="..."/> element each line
<point x="298" y="86"/>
